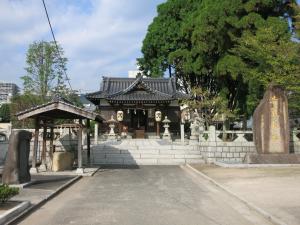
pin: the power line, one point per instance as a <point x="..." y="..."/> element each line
<point x="55" y="42"/>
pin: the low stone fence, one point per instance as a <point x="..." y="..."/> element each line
<point x="233" y="149"/>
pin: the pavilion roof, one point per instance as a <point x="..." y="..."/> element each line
<point x="58" y="109"/>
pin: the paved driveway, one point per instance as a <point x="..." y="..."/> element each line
<point x="273" y="189"/>
<point x="148" y="195"/>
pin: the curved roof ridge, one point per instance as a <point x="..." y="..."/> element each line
<point x="139" y="80"/>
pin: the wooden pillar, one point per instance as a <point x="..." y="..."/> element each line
<point x="35" y="146"/>
<point x="79" y="148"/>
<point x="88" y="138"/>
<point x="51" y="143"/>
<point x="44" y="148"/>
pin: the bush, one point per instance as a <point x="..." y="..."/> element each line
<point x="7" y="192"/>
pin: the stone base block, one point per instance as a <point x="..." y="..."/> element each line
<point x="62" y="161"/>
<point x="33" y="170"/>
<point x="111" y="137"/>
<point x="80" y="171"/>
<point x="254" y="158"/>
<point x="42" y="168"/>
<point x="166" y="138"/>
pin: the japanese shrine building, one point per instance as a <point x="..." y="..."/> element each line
<point x="139" y="98"/>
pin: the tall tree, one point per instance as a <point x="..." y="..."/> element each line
<point x="197" y="39"/>
<point x="268" y="56"/>
<point x="45" y="68"/>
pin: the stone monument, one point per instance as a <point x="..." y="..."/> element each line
<point x="16" y="168"/>
<point x="271" y="132"/>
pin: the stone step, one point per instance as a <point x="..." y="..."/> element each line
<point x="145" y="156"/>
<point x="130" y="161"/>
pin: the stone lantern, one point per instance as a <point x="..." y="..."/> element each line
<point x="166" y="134"/>
<point x="112" y="125"/>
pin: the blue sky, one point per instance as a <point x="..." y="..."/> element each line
<point x="100" y="37"/>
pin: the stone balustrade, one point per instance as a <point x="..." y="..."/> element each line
<point x="235" y="146"/>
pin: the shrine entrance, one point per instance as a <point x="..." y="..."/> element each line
<point x="139" y="120"/>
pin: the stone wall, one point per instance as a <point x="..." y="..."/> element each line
<point x="233" y="152"/>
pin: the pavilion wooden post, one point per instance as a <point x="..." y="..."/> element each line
<point x="33" y="168"/>
<point x="51" y="143"/>
<point x="79" y="151"/>
<point x="44" y="148"/>
<point x="88" y="139"/>
<point x="157" y="129"/>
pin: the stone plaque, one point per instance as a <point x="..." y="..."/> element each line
<point x="271" y="122"/>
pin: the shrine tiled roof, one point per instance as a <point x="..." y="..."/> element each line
<point x="137" y="90"/>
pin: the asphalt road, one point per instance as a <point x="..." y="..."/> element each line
<point x="151" y="195"/>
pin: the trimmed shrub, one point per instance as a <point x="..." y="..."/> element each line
<point x="7" y="192"/>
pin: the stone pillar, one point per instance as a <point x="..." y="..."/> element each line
<point x="182" y="132"/>
<point x="79" y="148"/>
<point x="212" y="134"/>
<point x="33" y="168"/>
<point x="96" y="133"/>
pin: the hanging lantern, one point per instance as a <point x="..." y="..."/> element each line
<point x="120" y="116"/>
<point x="158" y="116"/>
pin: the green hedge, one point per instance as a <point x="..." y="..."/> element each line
<point x="7" y="192"/>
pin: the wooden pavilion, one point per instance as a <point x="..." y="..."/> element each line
<point x="44" y="116"/>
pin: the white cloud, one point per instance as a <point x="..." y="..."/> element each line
<point x="100" y="37"/>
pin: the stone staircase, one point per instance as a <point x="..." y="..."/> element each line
<point x="144" y="152"/>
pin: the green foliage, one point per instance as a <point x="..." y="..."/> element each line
<point x="296" y="18"/>
<point x="23" y="102"/>
<point x="212" y="107"/>
<point x="5" y="113"/>
<point x="44" y="69"/>
<point x="7" y="192"/>
<point x="206" y="44"/>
